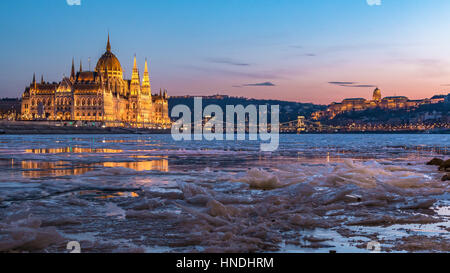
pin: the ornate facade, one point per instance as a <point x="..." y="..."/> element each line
<point x="102" y="95"/>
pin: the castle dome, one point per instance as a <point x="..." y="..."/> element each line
<point x="109" y="62"/>
<point x="376" y="94"/>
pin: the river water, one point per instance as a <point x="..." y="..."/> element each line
<point x="148" y="193"/>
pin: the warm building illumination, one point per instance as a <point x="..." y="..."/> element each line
<point x="102" y="95"/>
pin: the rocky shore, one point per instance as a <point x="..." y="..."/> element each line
<point x="444" y="166"/>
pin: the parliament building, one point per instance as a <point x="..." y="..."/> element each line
<point x="102" y="96"/>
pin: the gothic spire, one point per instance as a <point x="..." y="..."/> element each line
<point x="72" y="73"/>
<point x="81" y="66"/>
<point x="146" y="66"/>
<point x="146" y="87"/>
<point x="42" y="79"/>
<point x="34" y="84"/>
<point x="135" y="78"/>
<point x="146" y="79"/>
<point x="108" y="46"/>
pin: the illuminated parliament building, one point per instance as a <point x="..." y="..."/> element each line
<point x="102" y="95"/>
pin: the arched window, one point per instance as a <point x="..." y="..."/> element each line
<point x="83" y="102"/>
<point x="89" y="102"/>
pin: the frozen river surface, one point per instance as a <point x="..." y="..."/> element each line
<point x="127" y="193"/>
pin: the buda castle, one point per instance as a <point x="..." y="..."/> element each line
<point x="102" y="95"/>
<point x="377" y="101"/>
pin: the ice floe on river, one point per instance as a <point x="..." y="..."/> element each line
<point x="231" y="201"/>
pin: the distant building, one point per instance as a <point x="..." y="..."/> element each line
<point x="361" y="104"/>
<point x="397" y="102"/>
<point x="438" y="99"/>
<point x="101" y="95"/>
<point x="376" y="95"/>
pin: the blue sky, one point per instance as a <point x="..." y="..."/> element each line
<point x="303" y="50"/>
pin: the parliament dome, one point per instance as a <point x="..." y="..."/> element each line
<point x="108" y="62"/>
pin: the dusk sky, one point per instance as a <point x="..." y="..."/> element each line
<point x="302" y="50"/>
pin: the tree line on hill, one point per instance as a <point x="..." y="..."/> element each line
<point x="427" y="113"/>
<point x="289" y="111"/>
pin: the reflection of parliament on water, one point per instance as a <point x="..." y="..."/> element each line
<point x="37" y="169"/>
<point x="161" y="165"/>
<point x="101" y="96"/>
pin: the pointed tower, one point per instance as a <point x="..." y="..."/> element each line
<point x="146" y="86"/>
<point x="34" y="81"/>
<point x="42" y="79"/>
<point x="108" y="45"/>
<point x="81" y="66"/>
<point x="72" y="73"/>
<point x="135" y="80"/>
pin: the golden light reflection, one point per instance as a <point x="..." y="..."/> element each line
<point x="155" y="165"/>
<point x="119" y="194"/>
<point x="72" y="150"/>
<point x="36" y="169"/>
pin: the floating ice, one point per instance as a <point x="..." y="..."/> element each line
<point x="23" y="232"/>
<point x="222" y="199"/>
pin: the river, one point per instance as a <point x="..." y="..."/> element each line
<point x="148" y="193"/>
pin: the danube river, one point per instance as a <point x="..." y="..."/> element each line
<point x="147" y="193"/>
